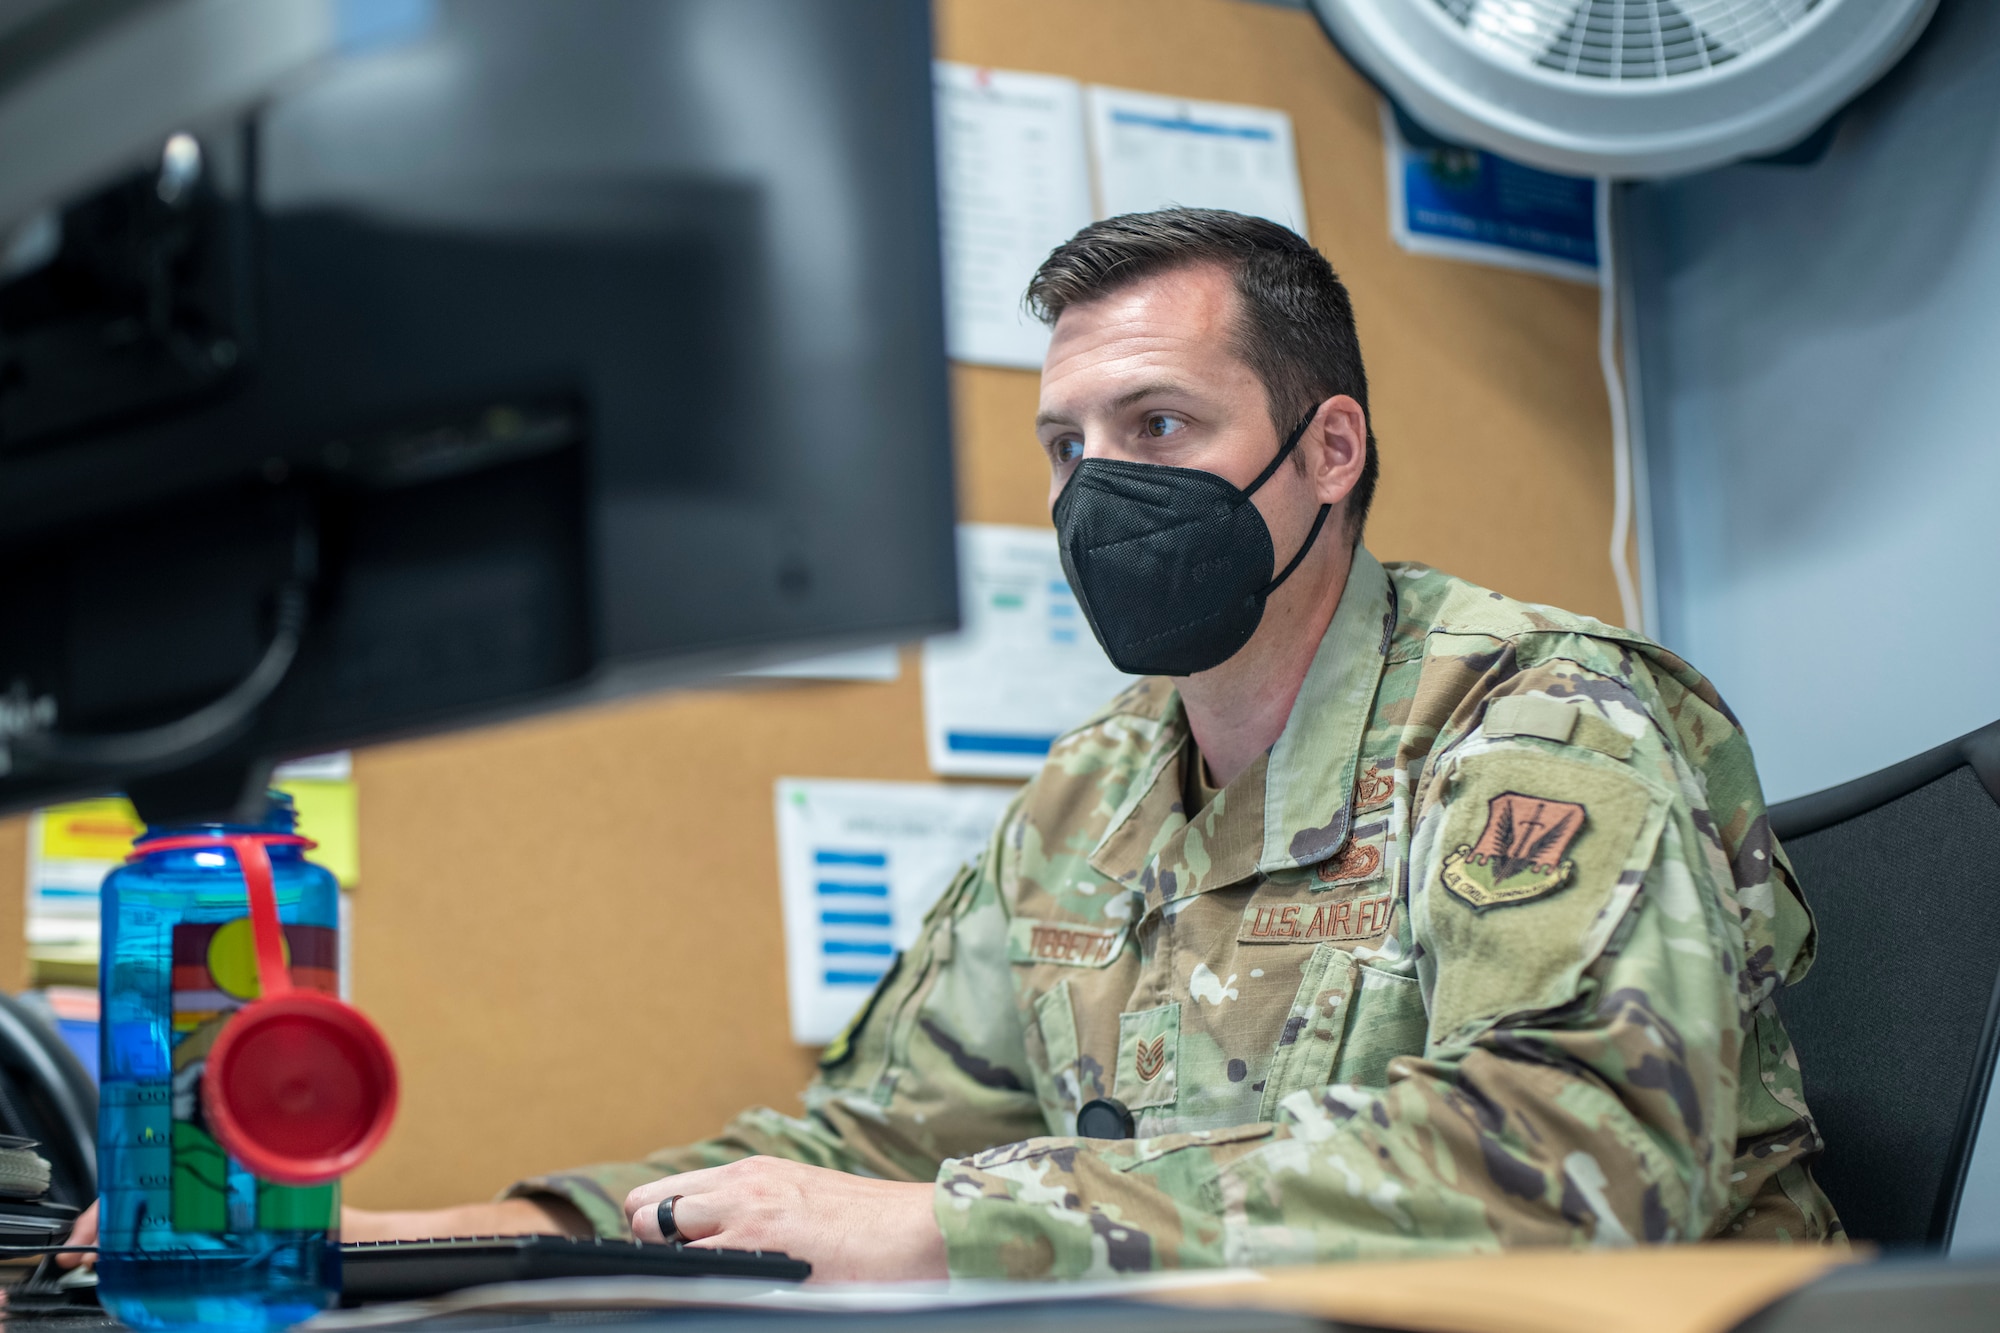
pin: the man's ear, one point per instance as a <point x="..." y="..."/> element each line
<point x="1334" y="448"/>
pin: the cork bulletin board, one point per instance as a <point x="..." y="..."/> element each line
<point x="569" y="927"/>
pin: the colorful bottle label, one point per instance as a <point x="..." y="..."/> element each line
<point x="214" y="975"/>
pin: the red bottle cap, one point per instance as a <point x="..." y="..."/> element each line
<point x="299" y="1088"/>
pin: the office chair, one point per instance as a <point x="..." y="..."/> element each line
<point x="46" y="1095"/>
<point x="1898" y="1022"/>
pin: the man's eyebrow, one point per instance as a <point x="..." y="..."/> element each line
<point x="1151" y="389"/>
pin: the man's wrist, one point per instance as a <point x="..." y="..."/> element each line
<point x="541" y="1216"/>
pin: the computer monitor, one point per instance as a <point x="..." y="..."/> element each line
<point x="552" y="351"/>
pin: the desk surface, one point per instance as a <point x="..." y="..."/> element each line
<point x="1651" y="1289"/>
<point x="1677" y="1289"/>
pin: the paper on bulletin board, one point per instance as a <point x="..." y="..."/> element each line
<point x="72" y="847"/>
<point x="1467" y="204"/>
<point x="1013" y="183"/>
<point x="1023" y="669"/>
<point x="1153" y="152"/>
<point x="859" y="865"/>
<point x="880" y="664"/>
<point x="329" y="814"/>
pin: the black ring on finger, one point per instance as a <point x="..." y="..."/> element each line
<point x="670" y="1232"/>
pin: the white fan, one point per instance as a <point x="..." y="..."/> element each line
<point x="1624" y="88"/>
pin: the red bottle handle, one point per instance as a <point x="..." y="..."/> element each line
<point x="299" y="1087"/>
<point x="273" y="979"/>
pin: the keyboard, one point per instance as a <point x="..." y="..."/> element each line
<point x="408" y="1270"/>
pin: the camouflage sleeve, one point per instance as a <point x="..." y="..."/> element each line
<point x="1578" y="942"/>
<point x="933" y="1067"/>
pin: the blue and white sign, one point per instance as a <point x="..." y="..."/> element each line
<point x="859" y="864"/>
<point x="1465" y="203"/>
<point x="1025" y="667"/>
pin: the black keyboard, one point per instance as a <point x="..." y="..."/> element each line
<point x="408" y="1270"/>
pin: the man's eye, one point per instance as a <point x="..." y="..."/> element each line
<point x="1066" y="451"/>
<point x="1158" y="425"/>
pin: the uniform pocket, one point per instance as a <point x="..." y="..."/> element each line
<point x="1387" y="1019"/>
<point x="1309" y="1043"/>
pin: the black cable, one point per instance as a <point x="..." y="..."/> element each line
<point x="191" y="736"/>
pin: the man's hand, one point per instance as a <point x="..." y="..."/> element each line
<point x="83" y="1231"/>
<point x="850" y="1228"/>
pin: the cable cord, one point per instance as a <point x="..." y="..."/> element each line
<point x="1621" y="432"/>
<point x="189" y="737"/>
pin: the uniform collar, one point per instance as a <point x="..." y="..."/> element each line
<point x="1294" y="806"/>
<point x="1318" y="755"/>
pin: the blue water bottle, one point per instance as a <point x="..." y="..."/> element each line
<point x="188" y="1234"/>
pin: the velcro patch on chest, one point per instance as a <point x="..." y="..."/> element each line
<point x="1360" y="860"/>
<point x="1316" y="921"/>
<point x="1063" y="943"/>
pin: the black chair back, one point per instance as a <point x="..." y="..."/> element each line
<point x="1898" y="1023"/>
<point x="47" y="1095"/>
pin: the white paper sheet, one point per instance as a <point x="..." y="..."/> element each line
<point x="1014" y="183"/>
<point x="337" y="766"/>
<point x="1152" y="152"/>
<point x="859" y="865"/>
<point x="858" y="664"/>
<point x="1023" y="670"/>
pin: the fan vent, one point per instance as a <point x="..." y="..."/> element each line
<point x="1626" y="39"/>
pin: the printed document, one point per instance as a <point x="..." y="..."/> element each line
<point x="855" y="664"/>
<point x="859" y="864"/>
<point x="1014" y="183"/>
<point x="1153" y="151"/>
<point x="1023" y="669"/>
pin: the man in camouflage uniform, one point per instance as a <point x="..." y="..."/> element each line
<point x="1429" y="922"/>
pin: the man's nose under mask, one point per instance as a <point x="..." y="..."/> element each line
<point x="1171" y="565"/>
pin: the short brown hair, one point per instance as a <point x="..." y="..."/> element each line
<point x="1297" y="327"/>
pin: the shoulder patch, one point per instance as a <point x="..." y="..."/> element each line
<point x="1539" y="857"/>
<point x="1520" y="852"/>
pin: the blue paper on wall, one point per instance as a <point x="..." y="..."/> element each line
<point x="1465" y="203"/>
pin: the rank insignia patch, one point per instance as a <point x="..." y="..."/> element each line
<point x="1149" y="1058"/>
<point x="1519" y="855"/>
<point x="1148" y="1042"/>
<point x="1375" y="786"/>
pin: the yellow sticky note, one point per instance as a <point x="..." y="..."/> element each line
<point x="95" y="830"/>
<point x="329" y="814"/>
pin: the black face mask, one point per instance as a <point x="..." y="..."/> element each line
<point x="1171" y="564"/>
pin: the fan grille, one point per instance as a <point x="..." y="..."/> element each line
<point x="1626" y="39"/>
